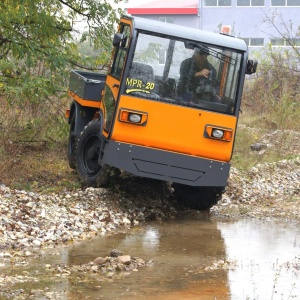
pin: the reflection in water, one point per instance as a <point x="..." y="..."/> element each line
<point x="181" y="248"/>
<point x="268" y="258"/>
<point x="267" y="254"/>
<point x="151" y="239"/>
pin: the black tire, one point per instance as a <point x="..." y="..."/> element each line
<point x="198" y="198"/>
<point x="88" y="149"/>
<point x="72" y="144"/>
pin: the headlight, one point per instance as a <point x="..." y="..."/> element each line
<point x="217" y="133"/>
<point x="135" y="118"/>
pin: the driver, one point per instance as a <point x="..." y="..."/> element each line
<point x="196" y="78"/>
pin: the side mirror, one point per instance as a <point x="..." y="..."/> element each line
<point x="119" y="38"/>
<point x="251" y="66"/>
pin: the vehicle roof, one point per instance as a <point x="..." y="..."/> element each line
<point x="188" y="33"/>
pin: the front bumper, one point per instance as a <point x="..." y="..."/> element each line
<point x="165" y="165"/>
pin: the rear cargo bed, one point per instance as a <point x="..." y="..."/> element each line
<point x="87" y="85"/>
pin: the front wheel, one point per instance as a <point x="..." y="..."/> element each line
<point x="199" y="198"/>
<point x="88" y="149"/>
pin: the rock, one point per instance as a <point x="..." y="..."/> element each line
<point x="258" y="146"/>
<point x="37" y="243"/>
<point x="110" y="274"/>
<point x="115" y="253"/>
<point x="30" y="204"/>
<point x="94" y="268"/>
<point x="125" y="259"/>
<point x="126" y="221"/>
<point x="27" y="253"/>
<point x="100" y="261"/>
<point x="150" y="263"/>
<point x="140" y="262"/>
<point x="120" y="267"/>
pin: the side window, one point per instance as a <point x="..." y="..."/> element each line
<point x="109" y="103"/>
<point x="120" y="53"/>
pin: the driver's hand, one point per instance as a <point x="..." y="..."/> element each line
<point x="204" y="73"/>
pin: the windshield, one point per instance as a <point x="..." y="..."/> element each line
<point x="184" y="73"/>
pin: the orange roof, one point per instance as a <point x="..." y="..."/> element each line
<point x="166" y="7"/>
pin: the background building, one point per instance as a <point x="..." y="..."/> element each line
<point x="247" y="18"/>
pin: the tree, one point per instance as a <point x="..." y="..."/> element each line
<point x="285" y="32"/>
<point x="274" y="95"/>
<point x="37" y="41"/>
<point x="38" y="46"/>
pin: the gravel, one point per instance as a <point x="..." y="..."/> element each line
<point x="29" y="219"/>
<point x="268" y="190"/>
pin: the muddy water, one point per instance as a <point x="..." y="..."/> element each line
<point x="263" y="262"/>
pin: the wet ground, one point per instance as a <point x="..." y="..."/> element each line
<point x="190" y="258"/>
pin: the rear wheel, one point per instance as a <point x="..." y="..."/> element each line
<point x="199" y="198"/>
<point x="88" y="150"/>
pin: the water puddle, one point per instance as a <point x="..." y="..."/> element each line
<point x="195" y="258"/>
<point x="268" y="259"/>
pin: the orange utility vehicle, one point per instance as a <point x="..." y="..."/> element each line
<point x="145" y="117"/>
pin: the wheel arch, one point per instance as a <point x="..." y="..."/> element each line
<point x="83" y="115"/>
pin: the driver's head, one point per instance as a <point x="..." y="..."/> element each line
<point x="200" y="55"/>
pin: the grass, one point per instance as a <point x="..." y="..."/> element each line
<point x="40" y="168"/>
<point x="283" y="142"/>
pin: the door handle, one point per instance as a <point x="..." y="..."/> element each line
<point x="116" y="85"/>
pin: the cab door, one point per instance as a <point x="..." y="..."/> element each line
<point x="113" y="80"/>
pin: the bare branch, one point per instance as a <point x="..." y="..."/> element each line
<point x="74" y="9"/>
